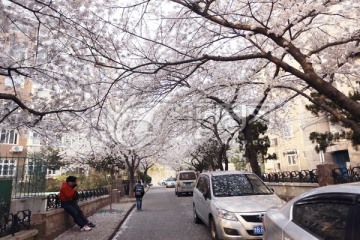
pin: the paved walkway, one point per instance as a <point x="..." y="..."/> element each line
<point x="107" y="220"/>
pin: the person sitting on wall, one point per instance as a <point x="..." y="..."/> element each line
<point x="68" y="197"/>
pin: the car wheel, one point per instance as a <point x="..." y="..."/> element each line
<point x="197" y="220"/>
<point x="213" y="231"/>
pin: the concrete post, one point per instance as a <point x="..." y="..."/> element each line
<point x="115" y="196"/>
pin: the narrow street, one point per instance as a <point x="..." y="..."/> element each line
<point x="164" y="216"/>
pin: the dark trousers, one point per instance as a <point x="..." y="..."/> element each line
<point x="74" y="210"/>
<point x="138" y="203"/>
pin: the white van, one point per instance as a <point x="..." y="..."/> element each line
<point x="185" y="182"/>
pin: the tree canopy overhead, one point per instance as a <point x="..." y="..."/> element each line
<point x="80" y="54"/>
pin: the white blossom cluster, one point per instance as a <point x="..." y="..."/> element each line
<point x="139" y="73"/>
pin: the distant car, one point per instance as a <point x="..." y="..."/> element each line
<point x="232" y="204"/>
<point x="170" y="182"/>
<point x="185" y="182"/>
<point x="331" y="212"/>
<point x="162" y="182"/>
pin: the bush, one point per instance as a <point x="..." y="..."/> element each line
<point x="93" y="181"/>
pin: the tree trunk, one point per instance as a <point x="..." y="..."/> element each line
<point x="131" y="181"/>
<point x="220" y="160"/>
<point x="224" y="156"/>
<point x="250" y="153"/>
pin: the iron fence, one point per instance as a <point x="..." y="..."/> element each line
<point x="53" y="200"/>
<point x="28" y="175"/>
<point x="344" y="175"/>
<point x="304" y="176"/>
<point x="13" y="223"/>
<point x="340" y="175"/>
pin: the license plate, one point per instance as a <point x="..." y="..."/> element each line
<point x="258" y="230"/>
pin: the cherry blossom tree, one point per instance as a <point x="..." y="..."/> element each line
<point x="295" y="46"/>
<point x="86" y="55"/>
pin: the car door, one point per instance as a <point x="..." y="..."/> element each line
<point x="202" y="203"/>
<point x="332" y="216"/>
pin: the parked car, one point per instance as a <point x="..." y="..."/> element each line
<point x="232" y="204"/>
<point x="170" y="182"/>
<point x="185" y="182"/>
<point x="162" y="182"/>
<point x="331" y="212"/>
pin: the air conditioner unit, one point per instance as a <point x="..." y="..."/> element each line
<point x="17" y="149"/>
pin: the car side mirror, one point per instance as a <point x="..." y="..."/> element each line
<point x="206" y="194"/>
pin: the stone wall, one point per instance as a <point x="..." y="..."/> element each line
<point x="52" y="223"/>
<point x="287" y="191"/>
<point x="34" y="204"/>
<point x="47" y="225"/>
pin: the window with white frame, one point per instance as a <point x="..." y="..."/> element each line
<point x="8" y="136"/>
<point x="291" y="158"/>
<point x="7" y="167"/>
<point x="35" y="138"/>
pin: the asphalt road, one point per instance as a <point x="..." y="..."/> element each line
<point x="164" y="216"/>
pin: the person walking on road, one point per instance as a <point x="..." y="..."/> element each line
<point x="139" y="193"/>
<point x="68" y="197"/>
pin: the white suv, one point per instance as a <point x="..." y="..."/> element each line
<point x="232" y="204"/>
<point x="185" y="182"/>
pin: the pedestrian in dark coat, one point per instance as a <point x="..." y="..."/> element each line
<point x="139" y="193"/>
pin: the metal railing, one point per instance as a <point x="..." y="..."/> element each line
<point x="340" y="175"/>
<point x="304" y="176"/>
<point x="53" y="200"/>
<point x="344" y="175"/>
<point x="13" y="223"/>
<point x="28" y="175"/>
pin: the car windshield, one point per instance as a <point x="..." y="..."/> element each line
<point x="238" y="185"/>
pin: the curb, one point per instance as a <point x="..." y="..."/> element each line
<point x="125" y="217"/>
<point x="121" y="222"/>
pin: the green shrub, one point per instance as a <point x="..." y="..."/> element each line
<point x="93" y="181"/>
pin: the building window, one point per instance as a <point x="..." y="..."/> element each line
<point x="9" y="137"/>
<point x="35" y="139"/>
<point x="291" y="159"/>
<point x="7" y="167"/>
<point x="36" y="167"/>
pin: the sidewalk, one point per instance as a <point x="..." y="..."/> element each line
<point x="107" y="221"/>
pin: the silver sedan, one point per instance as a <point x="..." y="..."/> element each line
<point x="329" y="213"/>
<point x="232" y="204"/>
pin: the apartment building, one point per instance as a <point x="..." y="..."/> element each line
<point x="15" y="146"/>
<point x="296" y="152"/>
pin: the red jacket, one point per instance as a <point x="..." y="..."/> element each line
<point x="66" y="192"/>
